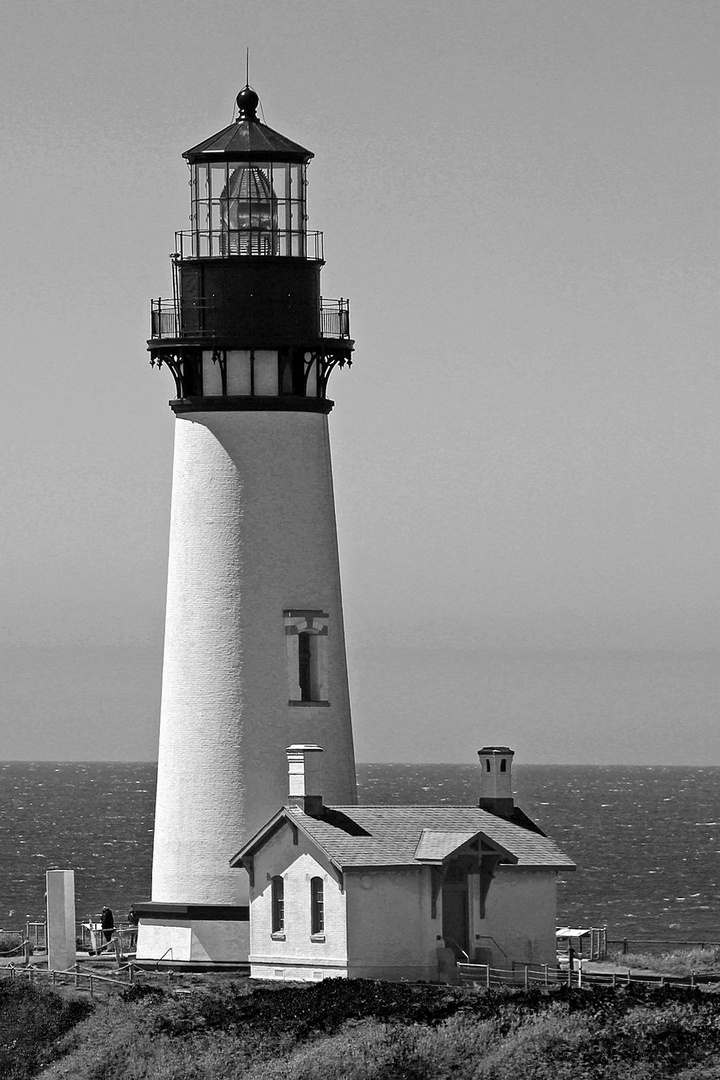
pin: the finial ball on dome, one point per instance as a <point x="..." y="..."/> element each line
<point x="247" y="103"/>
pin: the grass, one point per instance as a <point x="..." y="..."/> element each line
<point x="360" y="1030"/>
<point x="675" y="963"/>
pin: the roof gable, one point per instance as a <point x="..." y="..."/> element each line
<point x="434" y="846"/>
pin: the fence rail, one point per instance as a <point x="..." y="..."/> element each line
<point x="119" y="979"/>
<point x="631" y="945"/>
<point x="525" y="975"/>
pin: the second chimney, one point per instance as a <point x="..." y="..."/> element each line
<point x="305" y="777"/>
<point x="496" y="792"/>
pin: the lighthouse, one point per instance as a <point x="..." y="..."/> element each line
<point x="254" y="655"/>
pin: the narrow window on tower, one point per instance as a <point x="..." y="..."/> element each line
<point x="317" y="907"/>
<point x="307" y="666"/>
<point x="278" y="905"/>
<point x="306" y="637"/>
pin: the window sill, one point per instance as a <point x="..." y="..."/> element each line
<point x="277" y="935"/>
<point x="310" y="704"/>
<point x="317" y="937"/>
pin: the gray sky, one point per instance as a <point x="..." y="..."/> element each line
<point x="519" y="197"/>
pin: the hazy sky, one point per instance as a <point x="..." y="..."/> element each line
<point x="520" y="199"/>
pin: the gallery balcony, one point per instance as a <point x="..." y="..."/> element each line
<point x="253" y="324"/>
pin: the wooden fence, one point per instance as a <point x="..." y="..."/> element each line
<point x="526" y="975"/>
<point x="645" y="945"/>
<point x="91" y="981"/>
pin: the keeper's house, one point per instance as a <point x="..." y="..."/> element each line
<point x="399" y="892"/>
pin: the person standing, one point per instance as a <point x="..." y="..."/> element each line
<point x="107" y="923"/>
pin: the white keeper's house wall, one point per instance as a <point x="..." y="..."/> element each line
<point x="296" y="953"/>
<point x="391" y="932"/>
<point x="521" y="916"/>
<point x="253" y="538"/>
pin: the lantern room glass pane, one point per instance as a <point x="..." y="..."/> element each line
<point x="202" y="185"/>
<point x="248" y="208"/>
<point x="281" y="180"/>
<point x="218" y="180"/>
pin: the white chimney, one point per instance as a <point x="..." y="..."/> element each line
<point x="305" y="777"/>
<point x="496" y="792"/>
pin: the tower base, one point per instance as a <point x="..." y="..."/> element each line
<point x="205" y="935"/>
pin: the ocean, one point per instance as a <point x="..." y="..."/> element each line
<point x="646" y="839"/>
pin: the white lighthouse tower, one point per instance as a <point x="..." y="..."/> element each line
<point x="254" y="645"/>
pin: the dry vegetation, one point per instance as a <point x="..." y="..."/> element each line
<point x="359" y="1031"/>
<point x="691" y="961"/>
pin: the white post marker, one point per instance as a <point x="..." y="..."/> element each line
<point x="60" y="889"/>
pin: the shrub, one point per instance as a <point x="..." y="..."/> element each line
<point x="362" y="1030"/>
<point x="10" y="943"/>
<point x="31" y="1021"/>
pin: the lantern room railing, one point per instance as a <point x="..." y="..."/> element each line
<point x="167" y="322"/>
<point x="229" y="243"/>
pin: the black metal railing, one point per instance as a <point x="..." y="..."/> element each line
<point x="232" y="243"/>
<point x="168" y="321"/>
<point x="335" y="318"/>
<point x="164" y="319"/>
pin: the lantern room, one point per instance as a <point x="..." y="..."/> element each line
<point x="248" y="188"/>
<point x="246" y="319"/>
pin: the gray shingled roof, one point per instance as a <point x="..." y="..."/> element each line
<point x="391" y="835"/>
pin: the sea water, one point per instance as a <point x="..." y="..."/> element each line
<point x="646" y="840"/>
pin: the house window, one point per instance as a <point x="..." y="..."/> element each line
<point x="278" y="905"/>
<point x="317" y="906"/>
<point x="503" y="765"/>
<point x="306" y="636"/>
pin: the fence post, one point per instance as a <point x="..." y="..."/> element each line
<point x="77" y="974"/>
<point x="628" y="976"/>
<point x="545" y="967"/>
<point x="26" y="951"/>
<point x="692" y="979"/>
<point x="487" y="976"/>
<point x="131" y="972"/>
<point x="526" y="977"/>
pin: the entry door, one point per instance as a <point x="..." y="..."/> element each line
<point x="455" y="921"/>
